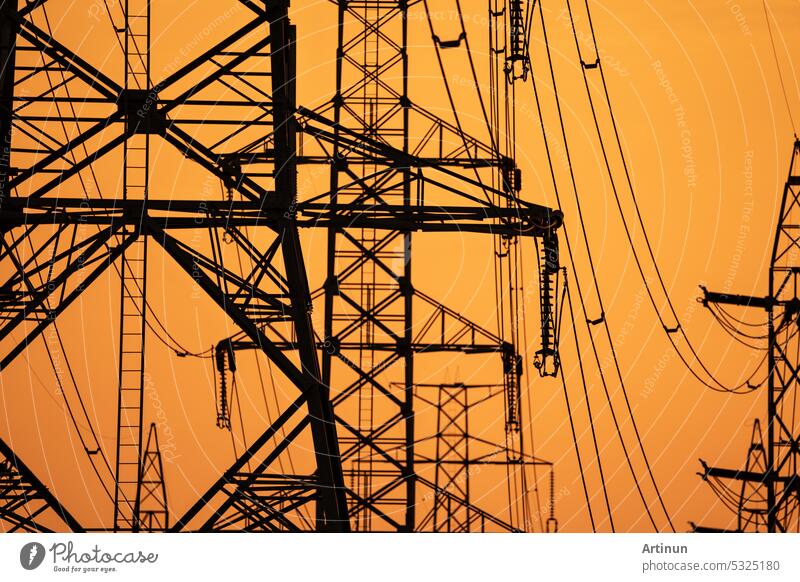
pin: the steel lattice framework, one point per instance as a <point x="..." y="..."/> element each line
<point x="769" y="498"/>
<point x="26" y="505"/>
<point x="395" y="169"/>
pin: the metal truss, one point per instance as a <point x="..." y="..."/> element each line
<point x="153" y="506"/>
<point x="395" y="169"/>
<point x="772" y="467"/>
<point x="26" y="505"/>
<point x="69" y="241"/>
<point x="457" y="454"/>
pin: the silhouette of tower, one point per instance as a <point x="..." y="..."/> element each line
<point x="773" y="469"/>
<point x="26" y="505"/>
<point x="153" y="508"/>
<point x="395" y="169"/>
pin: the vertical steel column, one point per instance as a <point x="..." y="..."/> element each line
<point x="368" y="290"/>
<point x="769" y="470"/>
<point x="783" y="433"/>
<point x="331" y="506"/>
<point x="408" y="296"/>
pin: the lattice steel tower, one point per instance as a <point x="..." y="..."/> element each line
<point x="395" y="168"/>
<point x="770" y="484"/>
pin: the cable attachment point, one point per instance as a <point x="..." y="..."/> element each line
<point x="704" y="299"/>
<point x="447" y="44"/>
<point x="597" y="321"/>
<point x="587" y="66"/>
<point x="518" y="59"/>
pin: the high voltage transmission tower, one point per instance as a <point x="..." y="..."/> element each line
<point x="395" y="169"/>
<point x="766" y="494"/>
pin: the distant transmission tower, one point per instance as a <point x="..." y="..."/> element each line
<point x="771" y="473"/>
<point x="153" y="508"/>
<point x="459" y="453"/>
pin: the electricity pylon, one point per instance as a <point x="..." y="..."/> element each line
<point x="388" y="180"/>
<point x="775" y="476"/>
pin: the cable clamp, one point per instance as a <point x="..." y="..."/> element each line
<point x="597" y="321"/>
<point x="446" y="44"/>
<point x="593" y="65"/>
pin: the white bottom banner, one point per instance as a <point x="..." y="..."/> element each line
<point x="406" y="558"/>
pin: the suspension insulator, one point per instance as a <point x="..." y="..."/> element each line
<point x="225" y="360"/>
<point x="512" y="177"/>
<point x="517" y="65"/>
<point x="552" y="522"/>
<point x="512" y="376"/>
<point x="550" y="247"/>
<point x="546" y="359"/>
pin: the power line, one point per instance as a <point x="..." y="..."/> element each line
<point x="741" y="388"/>
<point x="602" y="319"/>
<point x="778" y="68"/>
<point x="578" y="351"/>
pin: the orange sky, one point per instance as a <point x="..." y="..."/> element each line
<point x="707" y="138"/>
